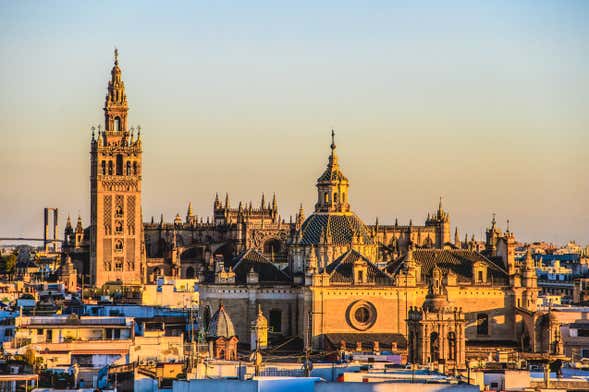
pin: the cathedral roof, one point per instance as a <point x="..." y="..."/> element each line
<point x="221" y="325"/>
<point x="458" y="261"/>
<point x="341" y="270"/>
<point x="266" y="270"/>
<point x="339" y="228"/>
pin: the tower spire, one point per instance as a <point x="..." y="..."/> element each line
<point x="332" y="146"/>
<point x="332" y="140"/>
<point x="115" y="107"/>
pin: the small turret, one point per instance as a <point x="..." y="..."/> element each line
<point x="190" y="217"/>
<point x="300" y="218"/>
<point x="216" y="203"/>
<point x="456" y="238"/>
<point x="332" y="186"/>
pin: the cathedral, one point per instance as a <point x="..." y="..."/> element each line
<point x="327" y="279"/>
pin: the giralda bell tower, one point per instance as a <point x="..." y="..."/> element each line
<point x="117" y="251"/>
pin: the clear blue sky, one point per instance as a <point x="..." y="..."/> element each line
<point x="485" y="103"/>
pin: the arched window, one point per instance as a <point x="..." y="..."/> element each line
<point x="451" y="345"/>
<point x="119" y="246"/>
<point x="335" y="197"/>
<point x="275" y="322"/>
<point x="119" y="227"/>
<point x="117" y="124"/>
<point x="434" y="343"/>
<point x="110" y="168"/>
<point x="128" y="168"/>
<point x="482" y="324"/>
<point x="119" y="165"/>
<point x="103" y="168"/>
<point x="189" y="273"/>
<point x="325" y="198"/>
<point x="119" y="212"/>
<point x="272" y="249"/>
<point x="480" y="276"/>
<point x="343" y="197"/>
<point x="134" y="168"/>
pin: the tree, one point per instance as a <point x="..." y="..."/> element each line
<point x="10" y="263"/>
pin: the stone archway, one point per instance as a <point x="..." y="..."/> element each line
<point x="272" y="249"/>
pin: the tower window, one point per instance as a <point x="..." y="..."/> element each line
<point x="119" y="246"/>
<point x="119" y="165"/>
<point x="119" y="264"/>
<point x="480" y="276"/>
<point x="103" y="168"/>
<point x="135" y="168"/>
<point x="325" y="198"/>
<point x="128" y="168"/>
<point x="117" y="124"/>
<point x="335" y="197"/>
<point x="110" y="168"/>
<point x="119" y="227"/>
<point x="360" y="276"/>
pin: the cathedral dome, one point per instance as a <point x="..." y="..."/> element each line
<point x="334" y="228"/>
<point x="221" y="325"/>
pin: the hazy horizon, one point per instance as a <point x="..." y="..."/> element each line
<point x="483" y="103"/>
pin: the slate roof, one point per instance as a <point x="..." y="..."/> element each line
<point x="220" y="325"/>
<point x="342" y="228"/>
<point x="459" y="261"/>
<point x="341" y="270"/>
<point x="266" y="270"/>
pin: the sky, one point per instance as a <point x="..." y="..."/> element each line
<point x="485" y="103"/>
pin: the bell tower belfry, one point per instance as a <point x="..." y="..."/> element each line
<point x="116" y="245"/>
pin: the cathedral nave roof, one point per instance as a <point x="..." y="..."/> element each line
<point x="266" y="270"/>
<point x="458" y="261"/>
<point x="341" y="270"/>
